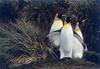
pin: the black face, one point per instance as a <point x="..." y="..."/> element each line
<point x="59" y="16"/>
<point x="68" y="19"/>
<point x="78" y="20"/>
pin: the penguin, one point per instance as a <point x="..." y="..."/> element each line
<point x="54" y="33"/>
<point x="79" y="45"/>
<point x="66" y="45"/>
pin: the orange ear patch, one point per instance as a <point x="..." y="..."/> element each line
<point x="78" y="30"/>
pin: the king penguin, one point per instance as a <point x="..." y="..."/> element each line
<point x="79" y="45"/>
<point x="66" y="40"/>
<point x="54" y="33"/>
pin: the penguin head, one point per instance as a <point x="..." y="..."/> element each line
<point x="68" y="19"/>
<point x="78" y="22"/>
<point x="59" y="16"/>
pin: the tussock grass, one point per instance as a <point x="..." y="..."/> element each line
<point x="22" y="43"/>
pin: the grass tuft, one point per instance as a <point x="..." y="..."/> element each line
<point x="22" y="43"/>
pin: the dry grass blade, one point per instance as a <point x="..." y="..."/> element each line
<point x="23" y="38"/>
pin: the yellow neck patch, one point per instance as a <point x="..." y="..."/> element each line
<point x="67" y="26"/>
<point x="58" y="22"/>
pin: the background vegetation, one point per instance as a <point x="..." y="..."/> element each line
<point x="24" y="23"/>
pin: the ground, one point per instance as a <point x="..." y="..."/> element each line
<point x="61" y="64"/>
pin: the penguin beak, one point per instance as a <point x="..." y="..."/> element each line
<point x="84" y="20"/>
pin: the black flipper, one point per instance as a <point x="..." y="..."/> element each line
<point x="80" y="39"/>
